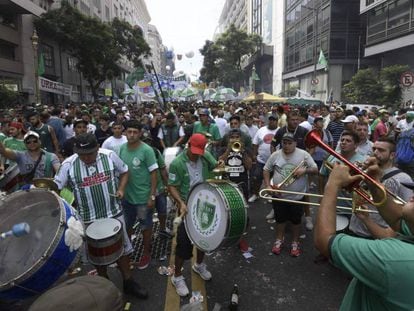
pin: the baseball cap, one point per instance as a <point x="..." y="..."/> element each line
<point x="350" y="119"/>
<point x="238" y="110"/>
<point x="203" y="111"/>
<point x="360" y="113"/>
<point x="76" y="121"/>
<point x="339" y="109"/>
<point x="197" y="143"/>
<point x="288" y="136"/>
<point x="81" y="293"/>
<point x="170" y="116"/>
<point x="18" y="125"/>
<point x="29" y="134"/>
<point x="272" y="117"/>
<point x="317" y="119"/>
<point x="383" y="111"/>
<point x="85" y="143"/>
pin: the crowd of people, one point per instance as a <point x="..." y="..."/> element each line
<point x="111" y="157"/>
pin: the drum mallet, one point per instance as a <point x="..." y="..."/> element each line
<point x="177" y="221"/>
<point x="17" y="230"/>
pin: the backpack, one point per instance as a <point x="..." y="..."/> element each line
<point x="405" y="147"/>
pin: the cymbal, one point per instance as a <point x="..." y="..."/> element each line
<point x="46" y="183"/>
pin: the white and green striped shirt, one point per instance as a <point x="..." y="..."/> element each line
<point x="95" y="185"/>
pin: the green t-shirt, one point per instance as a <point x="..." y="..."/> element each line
<point x="161" y="165"/>
<point x="141" y="162"/>
<point x="14" y="144"/>
<point x="178" y="173"/>
<point x="2" y="137"/>
<point x="210" y="128"/>
<point x="382" y="270"/>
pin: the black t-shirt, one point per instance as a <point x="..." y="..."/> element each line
<point x="102" y="135"/>
<point x="299" y="135"/>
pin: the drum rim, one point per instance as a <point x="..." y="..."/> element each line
<point x="52" y="247"/>
<point x="214" y="183"/>
<point x="101" y="220"/>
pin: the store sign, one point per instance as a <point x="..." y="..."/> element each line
<point x="407" y="79"/>
<point x="54" y="87"/>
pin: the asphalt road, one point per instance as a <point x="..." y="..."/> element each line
<point x="266" y="281"/>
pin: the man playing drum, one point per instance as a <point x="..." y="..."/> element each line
<point x="192" y="166"/>
<point x="92" y="173"/>
<point x="286" y="161"/>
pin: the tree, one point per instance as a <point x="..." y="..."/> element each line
<point x="97" y="46"/>
<point x="222" y="58"/>
<point x="8" y="98"/>
<point x="364" y="88"/>
<point x="390" y="77"/>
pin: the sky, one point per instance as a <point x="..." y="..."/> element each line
<point x="184" y="26"/>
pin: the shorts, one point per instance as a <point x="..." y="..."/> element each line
<point x="287" y="211"/>
<point x="161" y="204"/>
<point x="127" y="243"/>
<point x="140" y="211"/>
<point x="184" y="248"/>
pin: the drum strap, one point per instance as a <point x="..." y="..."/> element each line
<point x="390" y="174"/>
<point x="27" y="178"/>
<point x="405" y="238"/>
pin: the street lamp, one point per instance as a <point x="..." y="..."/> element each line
<point x="35" y="44"/>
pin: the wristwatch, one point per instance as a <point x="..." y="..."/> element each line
<point x="153" y="197"/>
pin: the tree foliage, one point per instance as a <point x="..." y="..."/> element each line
<point x="8" y="98"/>
<point x="97" y="46"/>
<point x="370" y="87"/>
<point x="222" y="58"/>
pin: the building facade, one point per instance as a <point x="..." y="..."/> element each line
<point x="311" y="26"/>
<point x="389" y="35"/>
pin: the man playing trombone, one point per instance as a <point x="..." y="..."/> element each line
<point x="382" y="269"/>
<point x="289" y="166"/>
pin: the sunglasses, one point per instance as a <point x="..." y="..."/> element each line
<point x="33" y="141"/>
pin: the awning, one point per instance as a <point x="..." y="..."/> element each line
<point x="263" y="97"/>
<point x="303" y="102"/>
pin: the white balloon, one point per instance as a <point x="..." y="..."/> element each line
<point x="167" y="67"/>
<point x="189" y="54"/>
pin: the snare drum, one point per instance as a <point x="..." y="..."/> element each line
<point x="342" y="223"/>
<point x="105" y="241"/>
<point x="10" y="178"/>
<point x="217" y="215"/>
<point x="32" y="263"/>
<point x="170" y="154"/>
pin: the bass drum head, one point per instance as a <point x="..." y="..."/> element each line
<point x="342" y="222"/>
<point x="42" y="211"/>
<point x="103" y="228"/>
<point x="207" y="217"/>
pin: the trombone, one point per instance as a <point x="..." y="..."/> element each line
<point x="291" y="178"/>
<point x="313" y="138"/>
<point x="268" y="195"/>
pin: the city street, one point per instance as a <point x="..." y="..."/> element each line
<point x="266" y="281"/>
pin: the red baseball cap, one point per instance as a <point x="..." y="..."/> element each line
<point x="197" y="143"/>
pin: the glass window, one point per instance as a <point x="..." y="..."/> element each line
<point x="47" y="52"/>
<point x="7" y="50"/>
<point x="398" y="13"/>
<point x="72" y="62"/>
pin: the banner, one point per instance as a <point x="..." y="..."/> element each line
<point x="55" y="87"/>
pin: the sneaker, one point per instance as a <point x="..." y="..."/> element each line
<point x="309" y="223"/>
<point x="253" y="198"/>
<point x="134" y="289"/>
<point x="277" y="247"/>
<point x="271" y="215"/>
<point x="144" y="262"/>
<point x="201" y="270"/>
<point x="295" y="250"/>
<point x="180" y="286"/>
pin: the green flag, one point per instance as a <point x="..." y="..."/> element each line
<point x="41" y="65"/>
<point x="255" y="76"/>
<point x="322" y="60"/>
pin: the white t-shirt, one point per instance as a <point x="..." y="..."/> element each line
<point x="306" y="125"/>
<point x="262" y="139"/>
<point x="112" y="143"/>
<point x="282" y="165"/>
<point x="221" y="124"/>
<point x="402" y="125"/>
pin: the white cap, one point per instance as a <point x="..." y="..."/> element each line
<point x="238" y="110"/>
<point x="350" y="119"/>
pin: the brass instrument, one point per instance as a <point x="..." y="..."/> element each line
<point x="291" y="178"/>
<point x="268" y="195"/>
<point x="236" y="146"/>
<point x="313" y="138"/>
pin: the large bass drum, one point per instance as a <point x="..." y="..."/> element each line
<point x="32" y="263"/>
<point x="217" y="215"/>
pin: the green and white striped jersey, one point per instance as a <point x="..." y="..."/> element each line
<point x="94" y="186"/>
